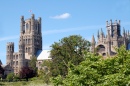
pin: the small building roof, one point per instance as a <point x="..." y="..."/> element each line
<point x="43" y="55"/>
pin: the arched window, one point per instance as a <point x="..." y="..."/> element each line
<point x="29" y="50"/>
<point x="26" y="50"/>
<point x="26" y="27"/>
<point x="26" y="41"/>
<point x="101" y="48"/>
<point x="16" y="62"/>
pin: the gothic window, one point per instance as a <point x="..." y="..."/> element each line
<point x="26" y="50"/>
<point x="26" y="27"/>
<point x="16" y="56"/>
<point x="28" y="41"/>
<point x="100" y="48"/>
<point x="16" y="62"/>
<point x="29" y="49"/>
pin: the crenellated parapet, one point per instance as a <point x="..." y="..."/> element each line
<point x="10" y="47"/>
<point x="113" y="23"/>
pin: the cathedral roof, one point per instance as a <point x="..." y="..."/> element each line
<point x="43" y="55"/>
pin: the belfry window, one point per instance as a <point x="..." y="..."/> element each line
<point x="26" y="27"/>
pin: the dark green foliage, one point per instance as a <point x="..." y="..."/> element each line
<point x="44" y="73"/>
<point x="57" y="80"/>
<point x="1" y="71"/>
<point x="69" y="49"/>
<point x="10" y="76"/>
<point x="95" y="71"/>
<point x="32" y="64"/>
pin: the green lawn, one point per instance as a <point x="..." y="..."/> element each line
<point x="35" y="82"/>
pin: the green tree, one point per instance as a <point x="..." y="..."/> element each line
<point x="95" y="71"/>
<point x="1" y="71"/>
<point x="69" y="49"/>
<point x="32" y="64"/>
<point x="44" y="73"/>
<point x="10" y="76"/>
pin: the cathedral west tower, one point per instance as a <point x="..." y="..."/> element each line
<point x="30" y="42"/>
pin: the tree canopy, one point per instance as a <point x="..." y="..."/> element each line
<point x="95" y="71"/>
<point x="69" y="49"/>
<point x="32" y="63"/>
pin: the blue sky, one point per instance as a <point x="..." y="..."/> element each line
<point x="60" y="18"/>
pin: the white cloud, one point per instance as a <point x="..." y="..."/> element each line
<point x="62" y="16"/>
<point x="9" y="38"/>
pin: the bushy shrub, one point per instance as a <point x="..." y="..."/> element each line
<point x="10" y="77"/>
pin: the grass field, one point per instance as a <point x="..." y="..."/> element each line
<point x="35" y="82"/>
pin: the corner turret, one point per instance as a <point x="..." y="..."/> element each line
<point x="22" y="25"/>
<point x="108" y="43"/>
<point x="9" y="53"/>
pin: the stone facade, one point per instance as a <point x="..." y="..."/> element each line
<point x="30" y="41"/>
<point x="106" y="43"/>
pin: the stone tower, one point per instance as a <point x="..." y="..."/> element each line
<point x="31" y="34"/>
<point x="9" y="53"/>
<point x="105" y="44"/>
<point x="30" y="42"/>
<point x="115" y="33"/>
<point x="21" y="58"/>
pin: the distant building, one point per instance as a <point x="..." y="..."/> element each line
<point x="30" y="42"/>
<point x="106" y="43"/>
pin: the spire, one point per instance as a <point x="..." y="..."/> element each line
<point x="93" y="40"/>
<point x="123" y="31"/>
<point x="102" y="34"/>
<point x="22" y="24"/>
<point x="101" y="31"/>
<point x="93" y="44"/>
<point x="126" y="33"/>
<point x="98" y="34"/>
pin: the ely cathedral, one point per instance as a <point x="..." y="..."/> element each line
<point x="106" y="43"/>
<point x="30" y="42"/>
